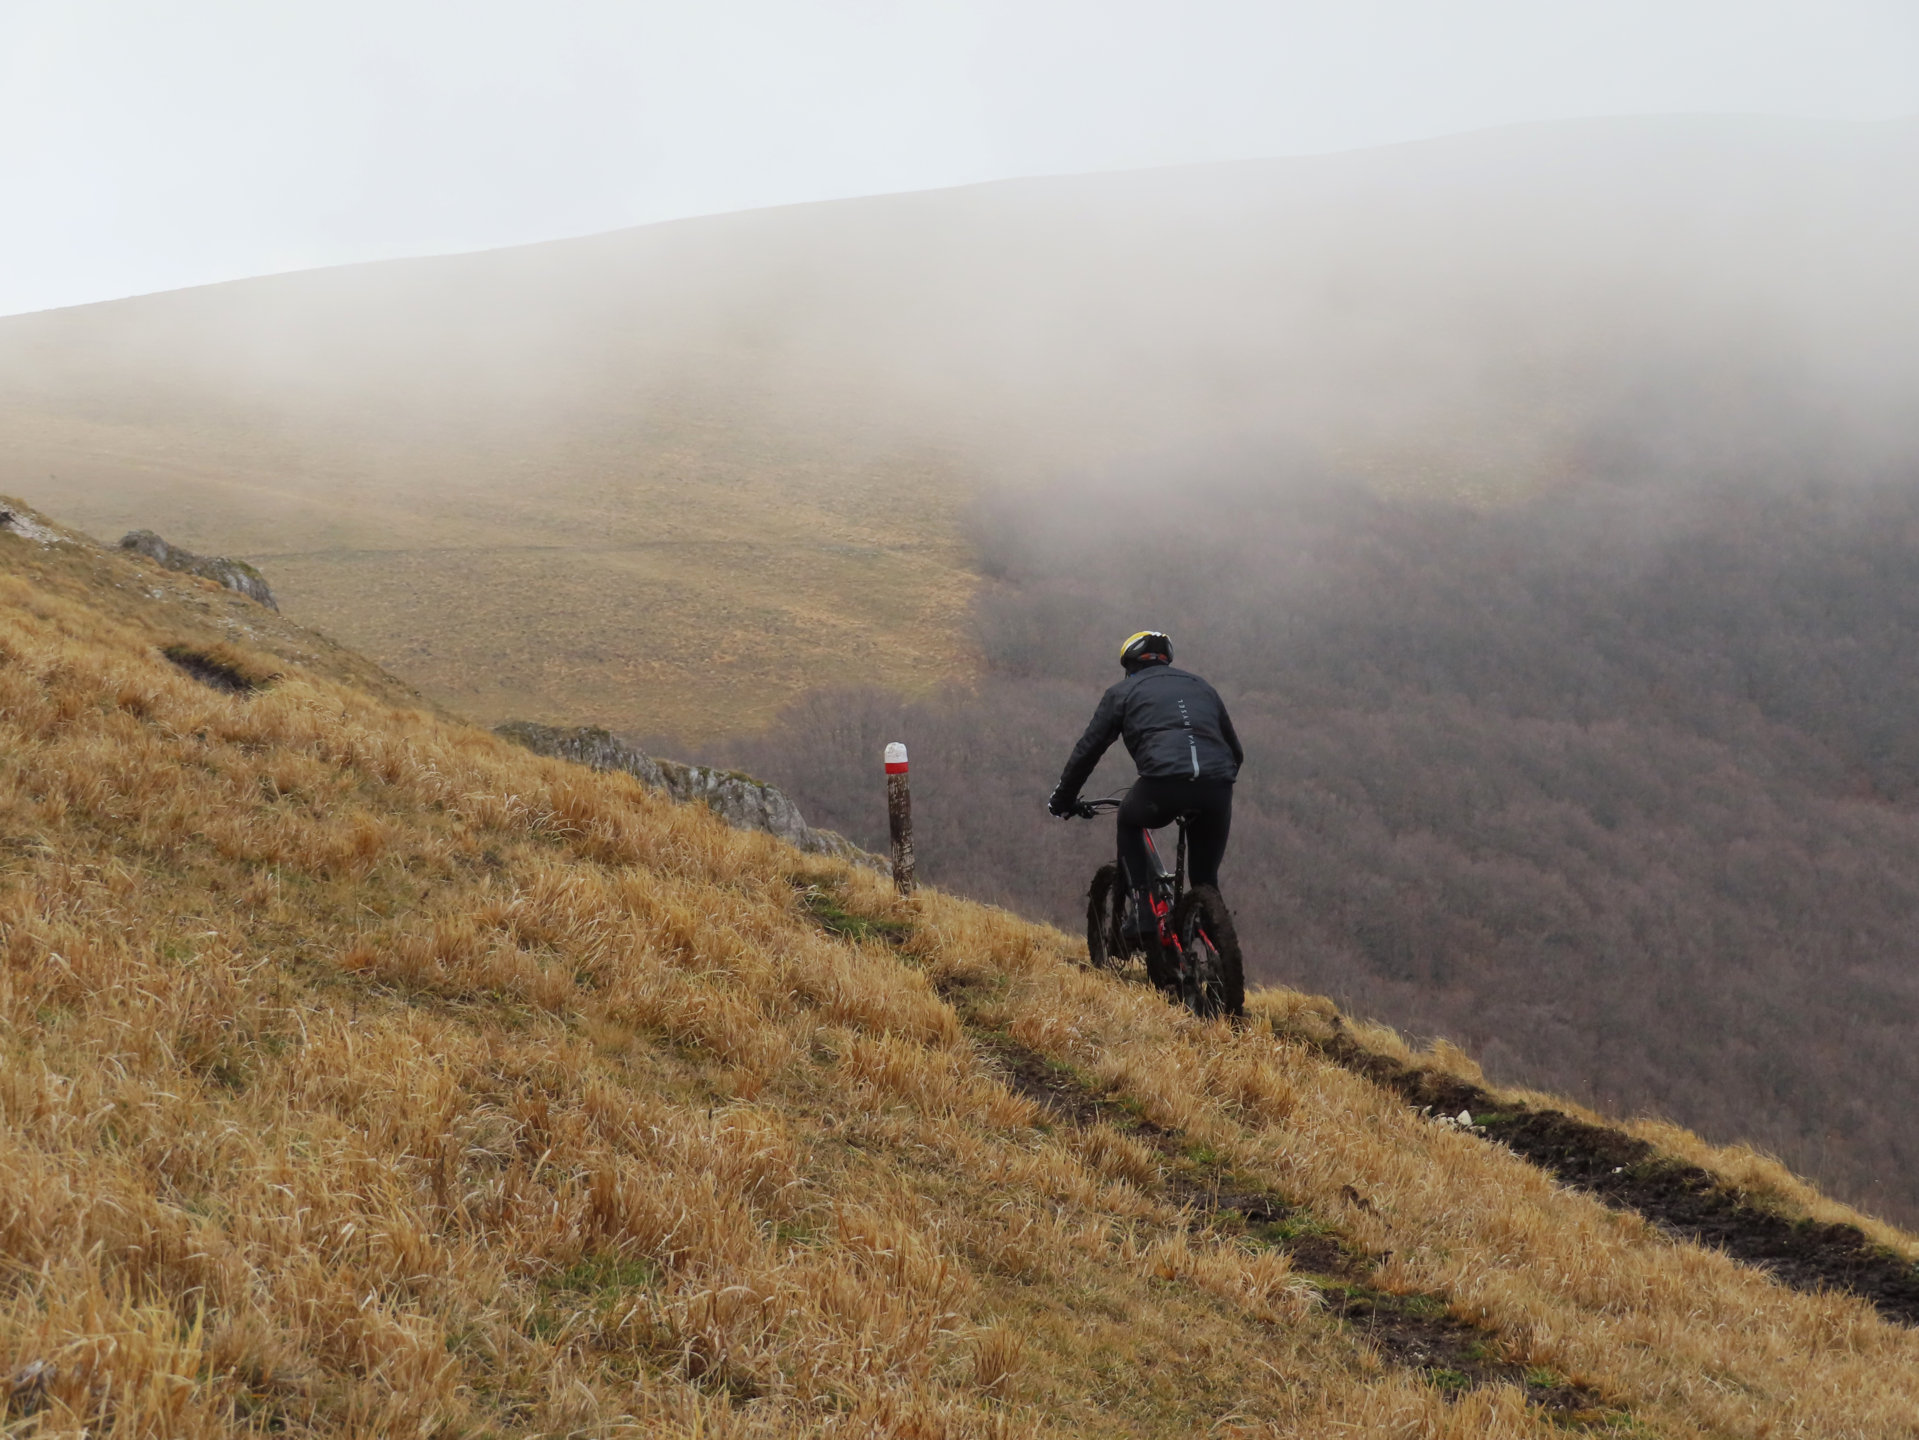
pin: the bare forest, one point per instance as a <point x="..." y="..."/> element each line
<point x="1617" y="787"/>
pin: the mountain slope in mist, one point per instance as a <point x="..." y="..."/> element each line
<point x="1619" y="786"/>
<point x="367" y="1074"/>
<point x="663" y="478"/>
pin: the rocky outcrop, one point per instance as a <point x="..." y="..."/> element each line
<point x="17" y="522"/>
<point x="234" y="574"/>
<point x="738" y="799"/>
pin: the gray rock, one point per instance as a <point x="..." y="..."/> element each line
<point x="236" y="575"/>
<point x="738" y="799"/>
<point x="17" y="523"/>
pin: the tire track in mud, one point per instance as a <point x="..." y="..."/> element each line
<point x="1684" y="1200"/>
<point x="1416" y="1331"/>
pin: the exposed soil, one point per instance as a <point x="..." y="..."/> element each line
<point x="211" y="671"/>
<point x="1416" y="1331"/>
<point x="1682" y="1199"/>
<point x="1419" y="1331"/>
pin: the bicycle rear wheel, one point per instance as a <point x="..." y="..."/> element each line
<point x="1105" y="902"/>
<point x="1215" y="978"/>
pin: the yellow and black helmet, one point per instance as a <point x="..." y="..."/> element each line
<point x="1143" y="647"/>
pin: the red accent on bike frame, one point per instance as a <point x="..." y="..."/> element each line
<point x="1161" y="907"/>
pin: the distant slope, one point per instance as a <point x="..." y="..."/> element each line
<point x="365" y="1074"/>
<point x="681" y="574"/>
<point x="664" y="478"/>
<point x="1618" y="786"/>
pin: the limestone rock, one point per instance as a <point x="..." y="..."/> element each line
<point x="22" y="524"/>
<point x="740" y="800"/>
<point x="234" y="574"/>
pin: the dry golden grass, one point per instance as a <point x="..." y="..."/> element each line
<point x="684" y="577"/>
<point x="165" y="608"/>
<point x="364" y="1075"/>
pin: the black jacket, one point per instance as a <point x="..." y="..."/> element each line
<point x="1174" y="724"/>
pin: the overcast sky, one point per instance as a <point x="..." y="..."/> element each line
<point x="149" y="144"/>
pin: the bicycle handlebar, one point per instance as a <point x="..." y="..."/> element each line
<point x="1087" y="809"/>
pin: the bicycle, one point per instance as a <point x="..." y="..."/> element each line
<point x="1192" y="951"/>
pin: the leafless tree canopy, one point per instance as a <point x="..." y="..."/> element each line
<point x="1619" y="787"/>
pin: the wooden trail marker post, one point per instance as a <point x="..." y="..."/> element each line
<point x="899" y="817"/>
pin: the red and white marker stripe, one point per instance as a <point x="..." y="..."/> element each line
<point x="895" y="758"/>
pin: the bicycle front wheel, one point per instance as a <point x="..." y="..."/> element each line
<point x="1104" y="904"/>
<point x="1215" y="979"/>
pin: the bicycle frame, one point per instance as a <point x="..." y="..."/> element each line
<point x="1165" y="897"/>
<point x="1174" y="881"/>
<point x="1191" y="950"/>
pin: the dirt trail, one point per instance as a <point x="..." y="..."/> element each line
<point x="1417" y="1331"/>
<point x="1629" y="1174"/>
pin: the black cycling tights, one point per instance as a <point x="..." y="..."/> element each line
<point x="1153" y="802"/>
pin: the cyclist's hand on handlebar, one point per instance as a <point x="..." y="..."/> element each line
<point x="1073" y="808"/>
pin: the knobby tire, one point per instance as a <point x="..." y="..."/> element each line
<point x="1105" y="902"/>
<point x="1216" y="982"/>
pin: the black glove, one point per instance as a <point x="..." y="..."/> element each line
<point x="1062" y="806"/>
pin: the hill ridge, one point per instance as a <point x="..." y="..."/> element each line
<point x="1697" y="123"/>
<point x="832" y="388"/>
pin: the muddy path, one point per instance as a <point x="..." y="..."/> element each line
<point x="1686" y="1201"/>
<point x="1418" y="1331"/>
<point x="1627" y="1173"/>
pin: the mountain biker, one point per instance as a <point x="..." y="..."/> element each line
<point x="1182" y="741"/>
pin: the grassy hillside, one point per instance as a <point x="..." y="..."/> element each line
<point x="666" y="478"/>
<point x="363" y="1074"/>
<point x="684" y="572"/>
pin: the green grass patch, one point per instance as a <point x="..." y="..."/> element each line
<point x="1204" y="1155"/>
<point x="797" y="1232"/>
<point x="1301" y="1225"/>
<point x="836" y="920"/>
<point x="604" y="1275"/>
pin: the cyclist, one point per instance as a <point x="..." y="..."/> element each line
<point x="1182" y="741"/>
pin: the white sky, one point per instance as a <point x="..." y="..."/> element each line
<point x="149" y="144"/>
